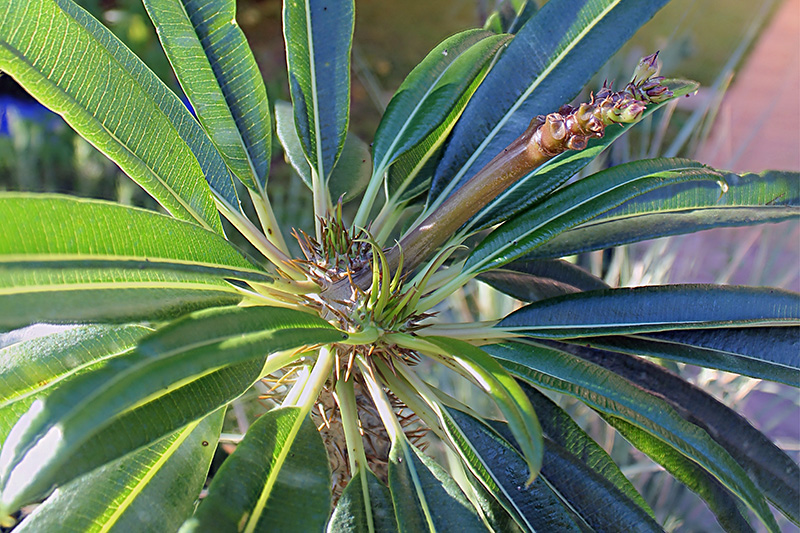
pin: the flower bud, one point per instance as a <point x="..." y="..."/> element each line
<point x="647" y="68"/>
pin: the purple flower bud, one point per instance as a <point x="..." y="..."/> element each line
<point x="647" y="68"/>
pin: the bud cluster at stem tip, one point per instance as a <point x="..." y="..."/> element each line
<point x="571" y="127"/>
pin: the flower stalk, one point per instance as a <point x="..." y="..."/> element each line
<point x="546" y="137"/>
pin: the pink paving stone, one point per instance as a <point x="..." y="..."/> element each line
<point x="759" y="122"/>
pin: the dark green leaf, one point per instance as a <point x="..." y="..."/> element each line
<point x="55" y="438"/>
<point x="352" y="171"/>
<point x="771" y="196"/>
<point x="444" y="82"/>
<point x="550" y="60"/>
<point x="775" y="473"/>
<point x="721" y="502"/>
<point x="559" y="427"/>
<point x="287" y="135"/>
<point x="615" y="396"/>
<point x="350" y="514"/>
<point x="654" y="308"/>
<point x="115" y="102"/>
<point x="31" y="369"/>
<point x="580" y="202"/>
<point x="763" y="353"/>
<point x="510" y="15"/>
<point x="502" y="471"/>
<point x="278" y="479"/>
<point x="153" y="489"/>
<point x="219" y="75"/>
<point x="425" y="497"/>
<point x="318" y="41"/>
<point x="505" y="392"/>
<point x="532" y="280"/>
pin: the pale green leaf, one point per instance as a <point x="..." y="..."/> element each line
<point x="278" y="479"/>
<point x="218" y="73"/>
<point x="153" y="489"/>
<point x="75" y="66"/>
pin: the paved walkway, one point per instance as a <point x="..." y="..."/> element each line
<point x="760" y="115"/>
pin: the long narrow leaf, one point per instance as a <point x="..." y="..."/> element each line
<point x="218" y="73"/>
<point x="762" y="353"/>
<point x="153" y="489"/>
<point x="771" y="196"/>
<point x="430" y="91"/>
<point x="718" y="498"/>
<point x="71" y="260"/>
<point x="776" y="474"/>
<point x="350" y="514"/>
<point x="115" y="102"/>
<point x="318" y="42"/>
<point x="278" y="479"/>
<point x="655" y="308"/>
<point x="506" y="393"/>
<point x="580" y="202"/>
<point x="501" y="469"/>
<point x="33" y="368"/>
<point x="62" y="426"/>
<point x="549" y="61"/>
<point x="425" y="497"/>
<point x="613" y="395"/>
<point x="560" y="428"/>
<point x="531" y="280"/>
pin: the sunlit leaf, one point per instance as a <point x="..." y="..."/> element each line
<point x="153" y="489"/>
<point x="218" y="73"/>
<point x="115" y="102"/>
<point x="278" y="479"/>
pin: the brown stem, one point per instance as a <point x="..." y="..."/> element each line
<point x="546" y="137"/>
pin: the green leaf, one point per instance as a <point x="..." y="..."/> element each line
<point x="613" y="395"/>
<point x="505" y="392"/>
<point x="535" y="187"/>
<point x="290" y="141"/>
<point x="425" y="497"/>
<point x="428" y="94"/>
<point x="771" y="196"/>
<point x="510" y="15"/>
<point x="55" y="439"/>
<point x="350" y="514"/>
<point x="560" y="428"/>
<point x="532" y="280"/>
<point x="762" y="353"/>
<point x="721" y="502"/>
<point x="115" y="102"/>
<point x="550" y="60"/>
<point x="775" y="473"/>
<point x="450" y="77"/>
<point x="31" y="369"/>
<point x="153" y="489"/>
<point x="218" y="73"/>
<point x="591" y="496"/>
<point x="74" y="260"/>
<point x="278" y="479"/>
<point x="351" y="173"/>
<point x="502" y="470"/>
<point x="318" y="42"/>
<point x="654" y="308"/>
<point x="580" y="202"/>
